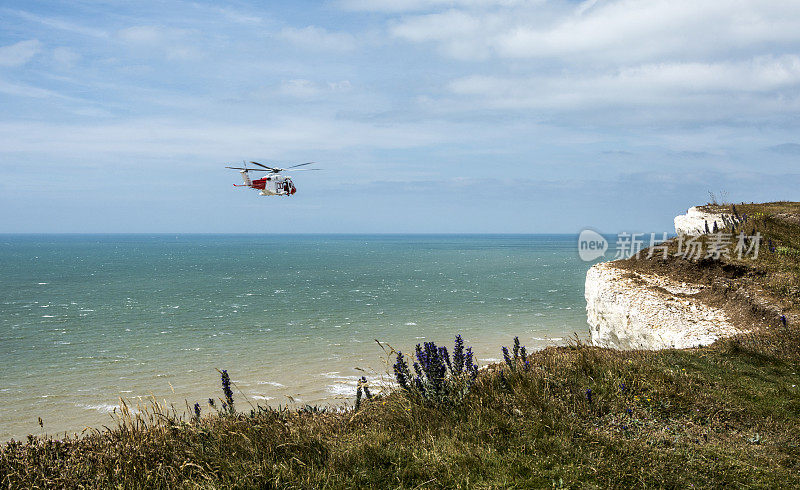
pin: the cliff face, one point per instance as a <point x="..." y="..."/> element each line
<point x="655" y="302"/>
<point x="630" y="310"/>
<point x="694" y="222"/>
<point x="635" y="310"/>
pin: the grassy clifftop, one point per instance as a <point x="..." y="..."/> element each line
<point x="578" y="416"/>
<point x="756" y="285"/>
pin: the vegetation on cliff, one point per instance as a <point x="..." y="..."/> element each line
<point x="573" y="416"/>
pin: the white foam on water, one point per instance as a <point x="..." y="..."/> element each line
<point x="272" y="383"/>
<point x="48" y="316"/>
<point x="555" y="339"/>
<point x="102" y="407"/>
<point x="261" y="397"/>
<point x="42" y="283"/>
<point x="410" y="324"/>
<point x="339" y="389"/>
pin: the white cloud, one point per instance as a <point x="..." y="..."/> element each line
<point x="341" y="86"/>
<point x="630" y="29"/>
<point x="650" y="84"/>
<point x="763" y="86"/>
<point x="20" y="90"/>
<point x="460" y="34"/>
<point x="318" y="38"/>
<point x="616" y="61"/>
<point x="300" y="88"/>
<point x="173" y="43"/>
<point x="307" y="89"/>
<point x="423" y="5"/>
<point x="156" y="137"/>
<point x="19" y="53"/>
<point x="60" y="24"/>
<point x="240" y="17"/>
<point x="622" y="30"/>
<point x="65" y="57"/>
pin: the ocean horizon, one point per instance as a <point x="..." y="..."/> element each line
<point x="87" y="319"/>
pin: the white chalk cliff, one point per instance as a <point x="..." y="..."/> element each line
<point x="632" y="310"/>
<point x="629" y="310"/>
<point x="694" y="222"/>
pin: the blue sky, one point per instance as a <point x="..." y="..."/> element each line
<point x="427" y="115"/>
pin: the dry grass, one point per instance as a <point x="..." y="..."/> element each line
<point x="711" y="417"/>
<point x="719" y="416"/>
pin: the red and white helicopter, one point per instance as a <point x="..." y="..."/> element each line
<point x="273" y="184"/>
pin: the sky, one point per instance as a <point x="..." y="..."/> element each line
<point x="426" y="116"/>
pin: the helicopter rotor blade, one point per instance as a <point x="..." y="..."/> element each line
<point x="300" y="165"/>
<point x="302" y="169"/>
<point x="264" y="166"/>
<point x="250" y="169"/>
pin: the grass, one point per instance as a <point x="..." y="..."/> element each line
<point x="772" y="279"/>
<point x="723" y="415"/>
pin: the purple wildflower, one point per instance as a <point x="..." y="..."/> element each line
<point x="471" y="366"/>
<point x="401" y="373"/>
<point x="366" y="389"/>
<point x="226" y="389"/>
<point x="507" y="358"/>
<point x="446" y="357"/>
<point x="589" y="394"/>
<point x="458" y="355"/>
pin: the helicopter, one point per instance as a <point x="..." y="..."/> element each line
<point x="272" y="184"/>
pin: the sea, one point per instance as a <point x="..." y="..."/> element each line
<point x="90" y="321"/>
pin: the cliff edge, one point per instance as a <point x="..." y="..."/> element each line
<point x="677" y="302"/>
<point x="631" y="310"/>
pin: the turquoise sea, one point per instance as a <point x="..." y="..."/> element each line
<point x="87" y="319"/>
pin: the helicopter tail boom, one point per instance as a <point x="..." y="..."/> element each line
<point x="246" y="178"/>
